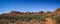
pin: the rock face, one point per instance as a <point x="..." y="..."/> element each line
<point x="13" y="13"/>
<point x="57" y="11"/>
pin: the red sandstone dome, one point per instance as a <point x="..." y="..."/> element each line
<point x="13" y="13"/>
<point x="57" y="11"/>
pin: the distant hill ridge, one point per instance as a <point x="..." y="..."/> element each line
<point x="17" y="13"/>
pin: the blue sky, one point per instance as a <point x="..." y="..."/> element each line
<point x="28" y="5"/>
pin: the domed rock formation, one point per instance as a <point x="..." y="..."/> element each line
<point x="12" y="13"/>
<point x="57" y="11"/>
<point x="15" y="13"/>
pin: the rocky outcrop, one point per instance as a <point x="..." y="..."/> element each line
<point x="16" y="13"/>
<point x="57" y="11"/>
<point x="13" y="13"/>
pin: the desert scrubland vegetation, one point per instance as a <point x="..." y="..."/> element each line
<point x="31" y="18"/>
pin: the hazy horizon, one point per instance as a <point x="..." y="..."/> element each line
<point x="28" y="5"/>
